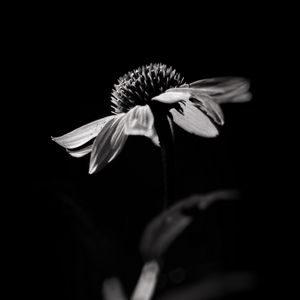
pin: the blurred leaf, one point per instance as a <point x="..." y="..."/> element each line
<point x="112" y="289"/>
<point x="147" y="282"/>
<point x="214" y="287"/>
<point x="144" y="289"/>
<point x="167" y="226"/>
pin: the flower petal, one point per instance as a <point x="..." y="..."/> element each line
<point x="193" y="120"/>
<point x="140" y="121"/>
<point x="83" y="134"/>
<point x="82" y="152"/>
<point x="225" y="89"/>
<point x="208" y="105"/>
<point x="203" y="101"/>
<point x="108" y="143"/>
<point x="173" y="96"/>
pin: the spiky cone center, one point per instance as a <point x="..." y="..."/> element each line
<point x="139" y="86"/>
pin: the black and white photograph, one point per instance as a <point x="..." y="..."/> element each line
<point x="148" y="172"/>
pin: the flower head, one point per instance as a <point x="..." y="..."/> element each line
<point x="194" y="107"/>
<point x="139" y="86"/>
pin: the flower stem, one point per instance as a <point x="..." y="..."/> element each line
<point x="165" y="135"/>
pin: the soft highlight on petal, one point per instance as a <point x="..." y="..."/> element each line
<point x="203" y="101"/>
<point x="225" y="89"/>
<point x="108" y="143"/>
<point x="81" y="152"/>
<point x="193" y="120"/>
<point x="140" y="121"/>
<point x="82" y="135"/>
<point x="172" y="96"/>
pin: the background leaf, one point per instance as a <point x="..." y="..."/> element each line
<point x="215" y="287"/>
<point x="167" y="226"/>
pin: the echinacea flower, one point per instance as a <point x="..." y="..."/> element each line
<point x="194" y="107"/>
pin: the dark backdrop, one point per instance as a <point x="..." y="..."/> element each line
<point x="78" y="228"/>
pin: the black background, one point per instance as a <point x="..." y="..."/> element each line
<point x="77" y="229"/>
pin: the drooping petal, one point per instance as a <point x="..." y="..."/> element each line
<point x="212" y="108"/>
<point x="208" y="105"/>
<point x="225" y="89"/>
<point x="155" y="140"/>
<point x="83" y="134"/>
<point x="193" y="120"/>
<point x="172" y="96"/>
<point x="203" y="101"/>
<point x="140" y="121"/>
<point x="81" y="152"/>
<point x="108" y="143"/>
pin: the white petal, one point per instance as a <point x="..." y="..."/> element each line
<point x="140" y="121"/>
<point x="193" y="120"/>
<point x="203" y="101"/>
<point x="83" y="134"/>
<point x="225" y="89"/>
<point x="108" y="143"/>
<point x="81" y="152"/>
<point x="172" y="96"/>
<point x="208" y="105"/>
<point x="155" y="140"/>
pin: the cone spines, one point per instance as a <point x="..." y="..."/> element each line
<point x="139" y="86"/>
